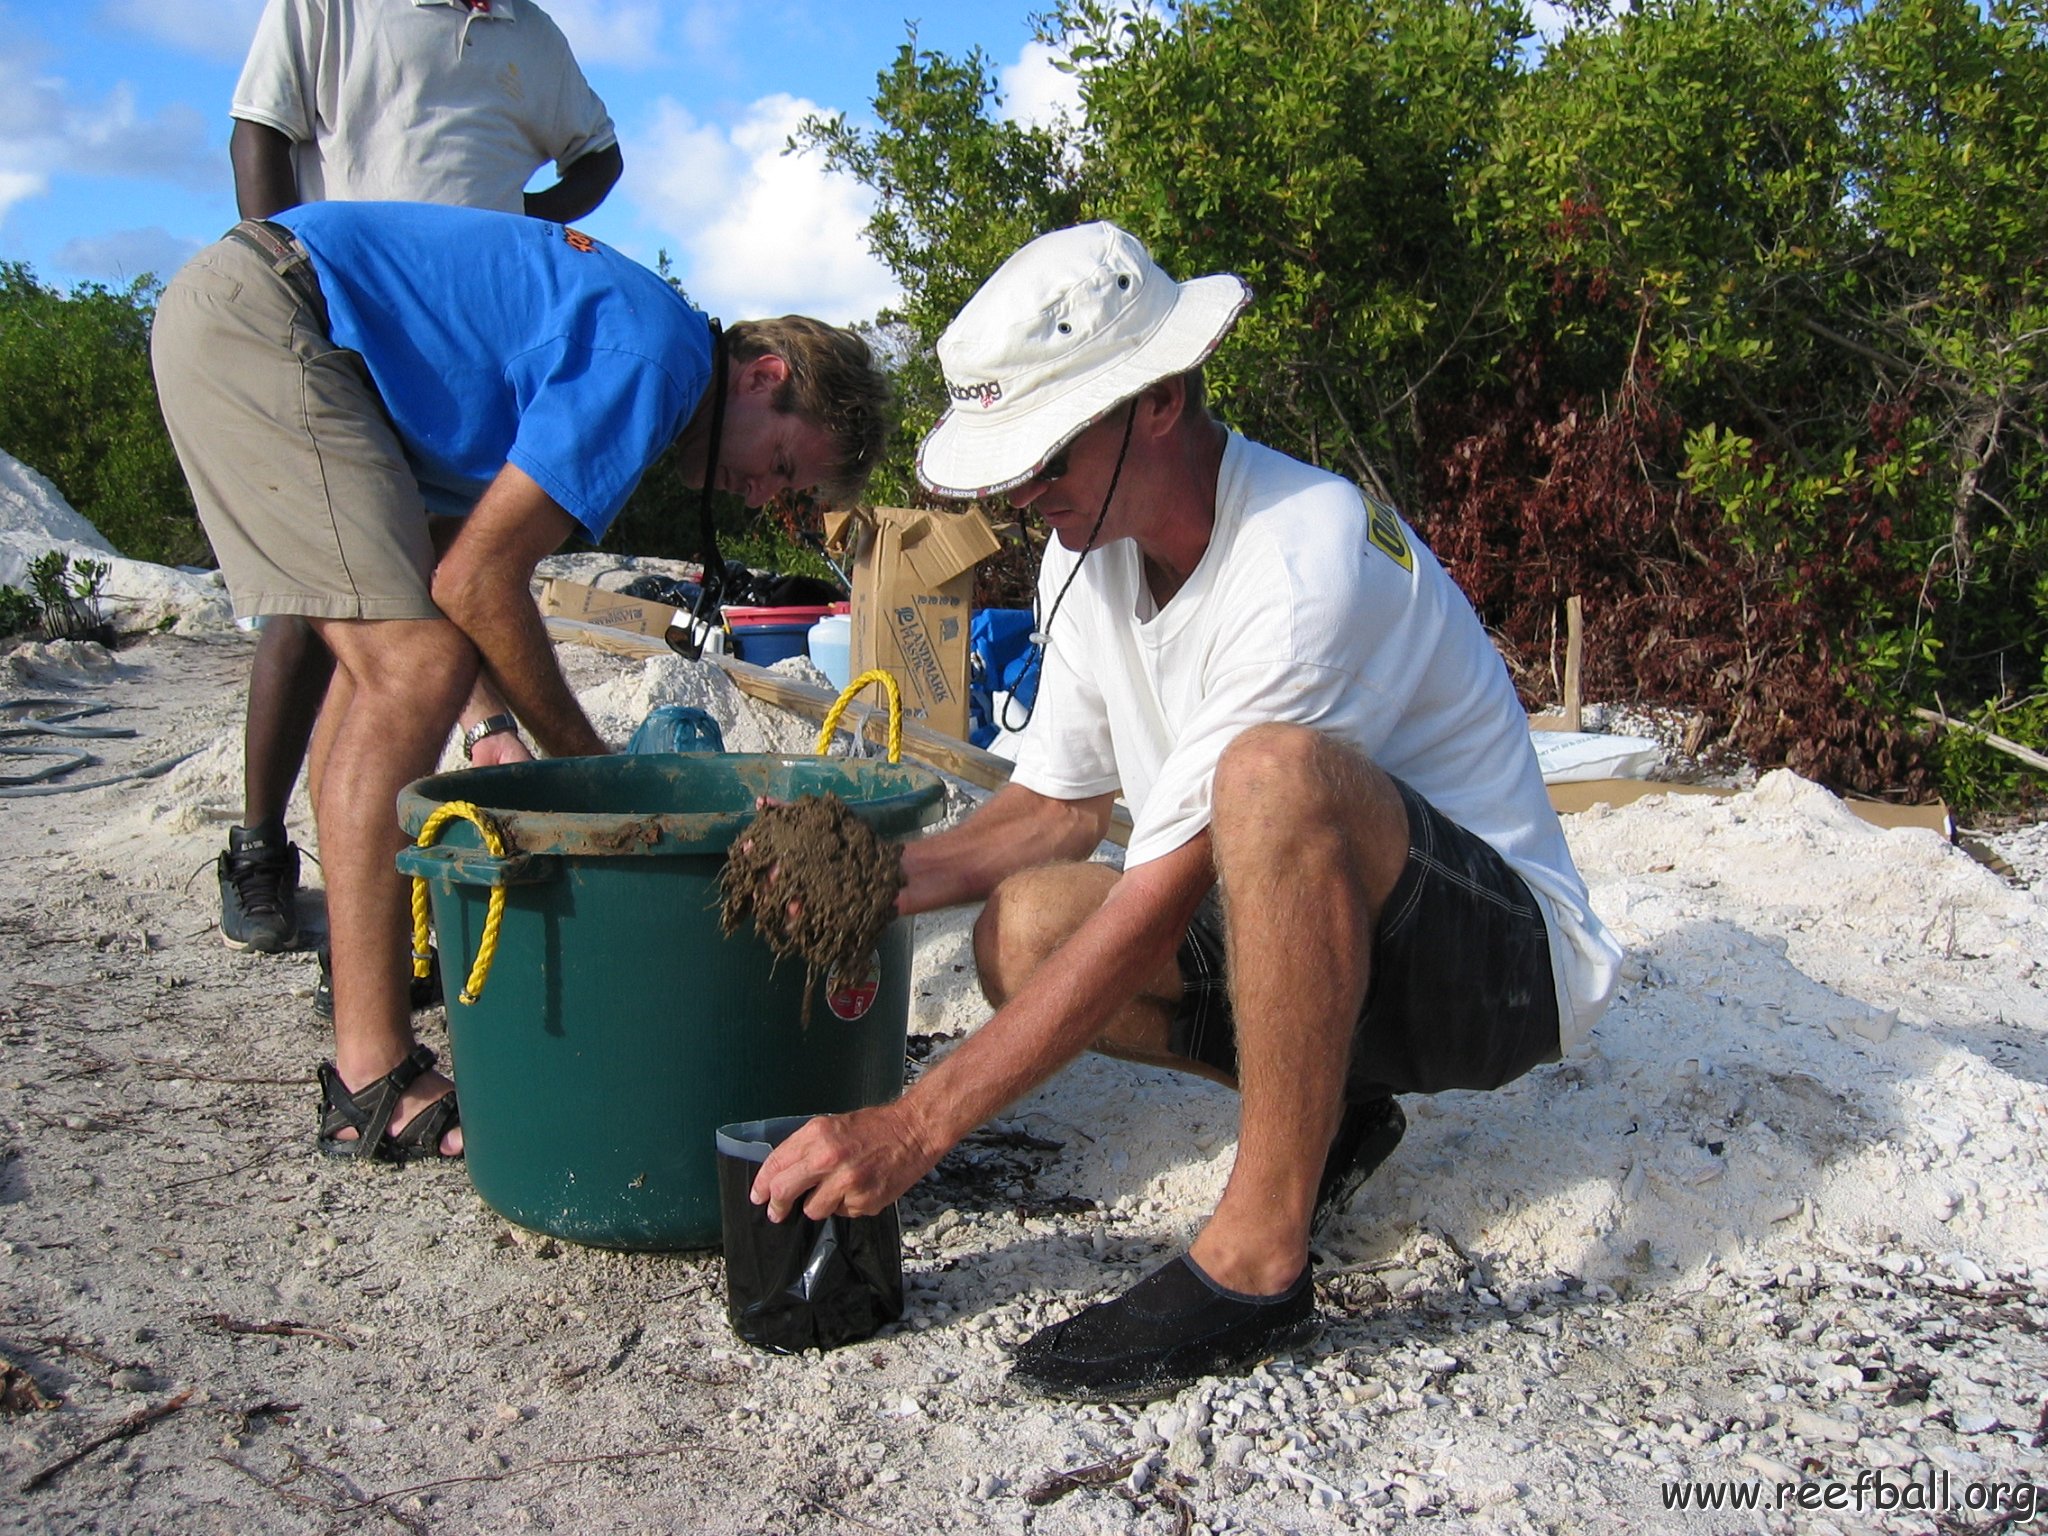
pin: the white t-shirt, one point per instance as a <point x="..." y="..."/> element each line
<point x="1312" y="606"/>
<point x="422" y="101"/>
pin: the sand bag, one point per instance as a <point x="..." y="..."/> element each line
<point x="800" y="1284"/>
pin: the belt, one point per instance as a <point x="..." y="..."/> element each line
<point x="288" y="258"/>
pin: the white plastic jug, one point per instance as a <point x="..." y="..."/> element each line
<point x="831" y="647"/>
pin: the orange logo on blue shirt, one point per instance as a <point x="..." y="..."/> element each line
<point x="578" y="241"/>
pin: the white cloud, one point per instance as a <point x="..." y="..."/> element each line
<point x="127" y="254"/>
<point x="621" y="32"/>
<point x="214" y="29"/>
<point x="754" y="231"/>
<point x="1035" y="91"/>
<point x="45" y="131"/>
<point x="1550" y="19"/>
<point x="709" y="28"/>
<point x="19" y="186"/>
<point x="114" y="139"/>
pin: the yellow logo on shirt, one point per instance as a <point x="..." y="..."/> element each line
<point x="1383" y="528"/>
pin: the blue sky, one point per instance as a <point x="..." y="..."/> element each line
<point x="114" y="129"/>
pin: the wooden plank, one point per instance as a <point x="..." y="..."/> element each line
<point x="619" y="642"/>
<point x="1572" y="715"/>
<point x="966" y="761"/>
<point x="1567" y="799"/>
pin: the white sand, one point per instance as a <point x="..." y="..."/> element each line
<point x="1784" y="1217"/>
<point x="1785" y="1213"/>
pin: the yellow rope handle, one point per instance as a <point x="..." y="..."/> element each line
<point x="422" y="954"/>
<point x="845" y="698"/>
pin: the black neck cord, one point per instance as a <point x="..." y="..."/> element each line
<point x="712" y="587"/>
<point x="1041" y="634"/>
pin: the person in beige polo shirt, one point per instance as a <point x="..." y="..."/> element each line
<point x="432" y="101"/>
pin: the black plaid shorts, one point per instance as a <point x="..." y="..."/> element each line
<point x="1461" y="993"/>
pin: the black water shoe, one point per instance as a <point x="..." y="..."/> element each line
<point x="259" y="889"/>
<point x="423" y="992"/>
<point x="1366" y="1137"/>
<point x="1167" y="1332"/>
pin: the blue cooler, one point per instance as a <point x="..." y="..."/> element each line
<point x="764" y="636"/>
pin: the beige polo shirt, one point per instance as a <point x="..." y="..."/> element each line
<point x="429" y="101"/>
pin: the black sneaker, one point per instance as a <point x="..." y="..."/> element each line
<point x="1365" y="1137"/>
<point x="1167" y="1332"/>
<point x="425" y="993"/>
<point x="259" y="890"/>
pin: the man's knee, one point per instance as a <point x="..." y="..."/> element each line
<point x="1276" y="766"/>
<point x="428" y="663"/>
<point x="1281" y="791"/>
<point x="1030" y="915"/>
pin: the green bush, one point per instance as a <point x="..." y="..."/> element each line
<point x="1729" y="316"/>
<point x="78" y="403"/>
<point x="17" y="611"/>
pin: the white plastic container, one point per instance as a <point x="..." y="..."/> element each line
<point x="831" y="647"/>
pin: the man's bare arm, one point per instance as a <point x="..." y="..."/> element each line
<point x="1016" y="829"/>
<point x="855" y="1164"/>
<point x="266" y="180"/>
<point x="1062" y="1009"/>
<point x="481" y="584"/>
<point x="585" y="182"/>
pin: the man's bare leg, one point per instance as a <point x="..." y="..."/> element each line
<point x="1031" y="914"/>
<point x="1309" y="840"/>
<point x="484" y="701"/>
<point x="287" y="681"/>
<point x="405" y="682"/>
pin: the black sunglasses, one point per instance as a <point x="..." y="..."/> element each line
<point x="1054" y="467"/>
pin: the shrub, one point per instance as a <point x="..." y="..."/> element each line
<point x="78" y="403"/>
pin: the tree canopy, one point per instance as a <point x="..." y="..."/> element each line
<point x="78" y="404"/>
<point x="1727" y="315"/>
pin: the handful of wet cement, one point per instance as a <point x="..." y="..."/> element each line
<point x="816" y="856"/>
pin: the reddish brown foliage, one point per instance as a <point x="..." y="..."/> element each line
<point x="1527" y="503"/>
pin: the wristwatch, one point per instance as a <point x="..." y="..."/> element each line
<point x="490" y="726"/>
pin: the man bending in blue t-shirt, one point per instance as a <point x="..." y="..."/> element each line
<point x="335" y="375"/>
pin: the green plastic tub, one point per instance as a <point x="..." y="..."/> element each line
<point x="618" y="1028"/>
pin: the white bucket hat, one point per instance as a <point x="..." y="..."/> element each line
<point x="1073" y="325"/>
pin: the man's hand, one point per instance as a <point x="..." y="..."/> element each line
<point x="500" y="747"/>
<point x="851" y="1165"/>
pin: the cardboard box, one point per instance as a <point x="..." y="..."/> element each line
<point x="594" y="605"/>
<point x="913" y="596"/>
<point x="1569" y="798"/>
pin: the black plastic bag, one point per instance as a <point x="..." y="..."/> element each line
<point x="800" y="1284"/>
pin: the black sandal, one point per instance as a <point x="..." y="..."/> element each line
<point x="368" y="1113"/>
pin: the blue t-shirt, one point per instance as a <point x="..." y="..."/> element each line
<point x="495" y="339"/>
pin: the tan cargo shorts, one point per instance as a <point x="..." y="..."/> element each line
<point x="299" y="478"/>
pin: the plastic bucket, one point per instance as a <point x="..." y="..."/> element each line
<point x="764" y="636"/>
<point x="618" y="1028"/>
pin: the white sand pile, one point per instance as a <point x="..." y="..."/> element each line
<point x="35" y="519"/>
<point x="34" y="516"/>
<point x="616" y="708"/>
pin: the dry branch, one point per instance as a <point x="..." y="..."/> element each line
<point x="2026" y="755"/>
<point x="288" y="1330"/>
<point x="134" y="1424"/>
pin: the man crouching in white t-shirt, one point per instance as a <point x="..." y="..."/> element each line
<point x="1345" y="880"/>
